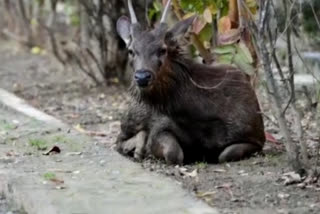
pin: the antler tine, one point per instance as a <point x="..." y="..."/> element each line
<point x="132" y="13"/>
<point x="165" y="12"/>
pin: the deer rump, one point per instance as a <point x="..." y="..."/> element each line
<point x="185" y="111"/>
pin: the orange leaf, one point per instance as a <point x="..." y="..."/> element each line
<point x="224" y="24"/>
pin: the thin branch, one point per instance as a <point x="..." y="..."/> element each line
<point x="291" y="147"/>
<point x="314" y="14"/>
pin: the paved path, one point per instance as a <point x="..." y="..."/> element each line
<point x="83" y="178"/>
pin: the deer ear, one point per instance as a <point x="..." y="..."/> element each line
<point x="123" y="29"/>
<point x="179" y="29"/>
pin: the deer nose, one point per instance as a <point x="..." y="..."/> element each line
<point x="142" y="77"/>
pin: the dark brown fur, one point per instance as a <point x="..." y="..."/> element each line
<point x="212" y="112"/>
<point x="214" y="106"/>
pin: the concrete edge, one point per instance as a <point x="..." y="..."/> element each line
<point x="16" y="194"/>
<point x="20" y="105"/>
<point x="14" y="189"/>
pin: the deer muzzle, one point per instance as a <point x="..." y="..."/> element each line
<point x="143" y="78"/>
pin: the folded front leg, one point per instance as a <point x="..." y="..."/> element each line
<point x="165" y="146"/>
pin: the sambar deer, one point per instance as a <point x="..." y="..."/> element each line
<point x="213" y="110"/>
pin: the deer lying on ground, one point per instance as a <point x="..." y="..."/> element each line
<point x="209" y="112"/>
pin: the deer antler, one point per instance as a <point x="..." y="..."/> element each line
<point x="132" y="13"/>
<point x="165" y="12"/>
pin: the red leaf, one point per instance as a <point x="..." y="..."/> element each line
<point x="270" y="138"/>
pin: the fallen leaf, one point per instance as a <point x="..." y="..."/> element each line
<point x="53" y="150"/>
<point x="56" y="181"/>
<point x="291" y="178"/>
<point x="225" y="185"/>
<point x="270" y="138"/>
<point x="73" y="153"/>
<point x="90" y="133"/>
<point x="192" y="174"/>
<point x="219" y="170"/>
<point x="243" y="173"/>
<point x="283" y="195"/>
<point x="205" y="194"/>
<point x="60" y="187"/>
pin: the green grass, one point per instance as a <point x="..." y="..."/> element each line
<point x="49" y="176"/>
<point x="39" y="144"/>
<point x="5" y="126"/>
<point x="60" y="139"/>
<point x="201" y="165"/>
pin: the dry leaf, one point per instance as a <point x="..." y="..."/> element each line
<point x="56" y="181"/>
<point x="207" y="15"/>
<point x="198" y="25"/>
<point x="283" y="195"/>
<point x="230" y="37"/>
<point x="53" y="150"/>
<point x="224" y="25"/>
<point x="205" y="194"/>
<point x="219" y="170"/>
<point x="73" y="153"/>
<point x="291" y="178"/>
<point x="192" y="174"/>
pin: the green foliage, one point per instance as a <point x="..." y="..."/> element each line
<point x="201" y="165"/>
<point x="200" y="6"/>
<point x="49" y="176"/>
<point x="309" y="21"/>
<point x="236" y="54"/>
<point x="206" y="33"/>
<point x="39" y="144"/>
<point x="155" y="11"/>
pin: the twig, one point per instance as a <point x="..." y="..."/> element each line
<point x="297" y="114"/>
<point x="291" y="148"/>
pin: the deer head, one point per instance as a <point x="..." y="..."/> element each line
<point x="149" y="48"/>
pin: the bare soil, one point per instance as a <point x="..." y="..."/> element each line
<point x="255" y="185"/>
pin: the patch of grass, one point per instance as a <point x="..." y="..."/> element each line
<point x="201" y="165"/>
<point x="9" y="127"/>
<point x="60" y="139"/>
<point x="4" y="125"/>
<point x="274" y="158"/>
<point x="38" y="143"/>
<point x="49" y="176"/>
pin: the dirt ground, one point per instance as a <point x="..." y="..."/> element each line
<point x="255" y="185"/>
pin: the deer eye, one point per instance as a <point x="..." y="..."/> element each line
<point x="130" y="51"/>
<point x="161" y="52"/>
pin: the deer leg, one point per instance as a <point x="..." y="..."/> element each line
<point x="165" y="146"/>
<point x="236" y="152"/>
<point x="141" y="142"/>
<point x="134" y="146"/>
